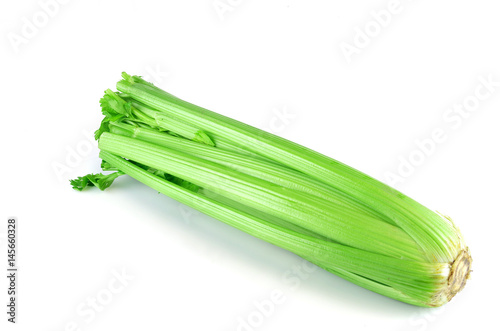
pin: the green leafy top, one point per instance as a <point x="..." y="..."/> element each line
<point x="136" y="79"/>
<point x="101" y="181"/>
<point x="114" y="109"/>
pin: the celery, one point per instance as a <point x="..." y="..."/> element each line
<point x="322" y="210"/>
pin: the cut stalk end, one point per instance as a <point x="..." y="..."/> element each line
<point x="460" y="272"/>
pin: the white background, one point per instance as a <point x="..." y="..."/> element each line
<point x="253" y="62"/>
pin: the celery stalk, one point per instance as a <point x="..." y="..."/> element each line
<point x="339" y="218"/>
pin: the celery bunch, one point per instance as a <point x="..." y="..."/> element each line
<point x="316" y="207"/>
